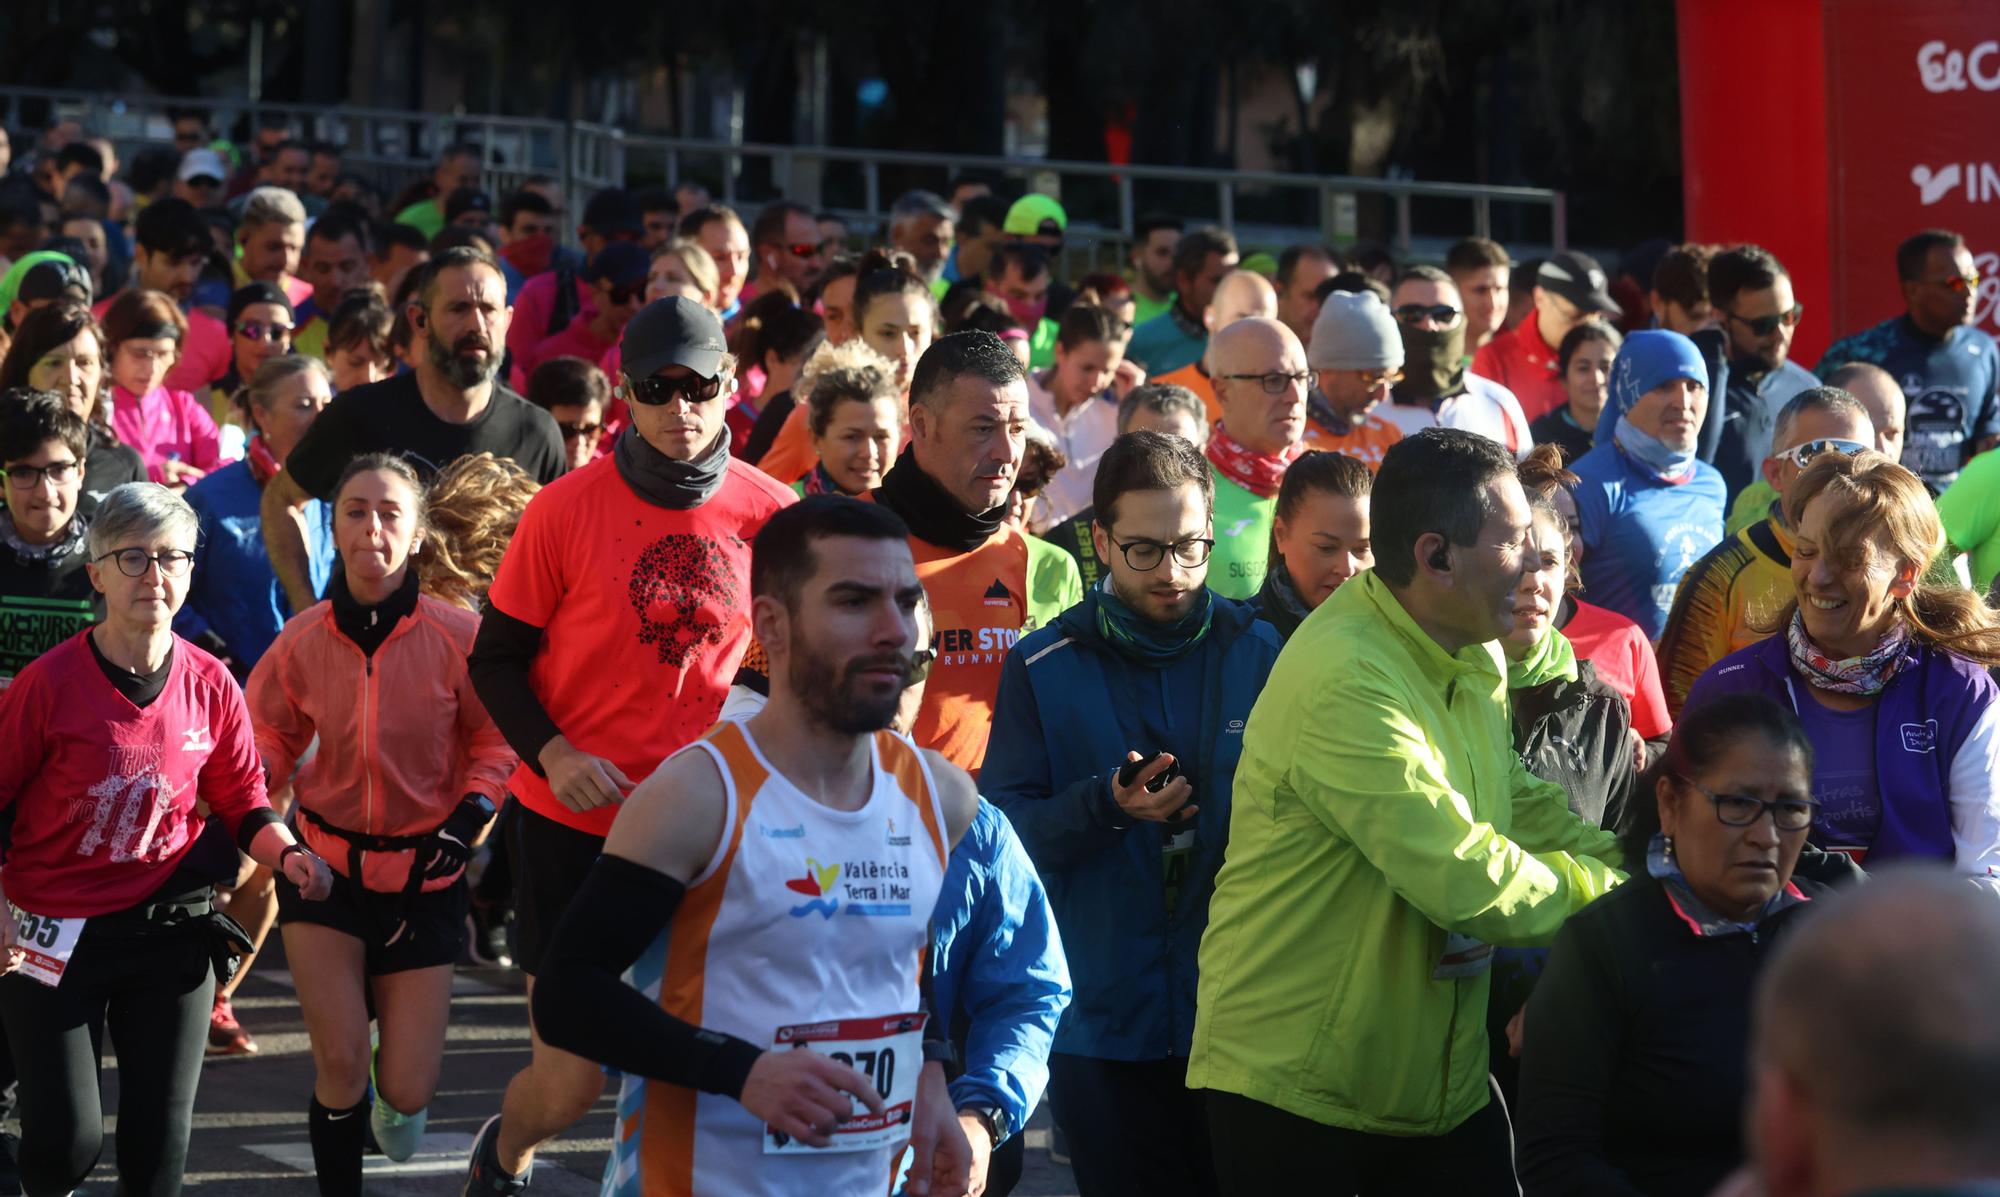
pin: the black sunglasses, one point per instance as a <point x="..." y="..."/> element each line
<point x="658" y="392"/>
<point x="1413" y="313"/>
<point x="629" y="293"/>
<point x="1764" y="326"/>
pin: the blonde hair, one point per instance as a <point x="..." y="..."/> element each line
<point x="695" y="260"/>
<point x="836" y="374"/>
<point x="473" y="507"/>
<point x="1871" y="494"/>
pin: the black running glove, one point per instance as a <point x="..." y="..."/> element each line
<point x="450" y="846"/>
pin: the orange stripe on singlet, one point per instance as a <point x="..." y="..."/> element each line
<point x="903" y="764"/>
<point x="666" y="1158"/>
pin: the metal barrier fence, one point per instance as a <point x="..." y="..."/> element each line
<point x="1265" y="208"/>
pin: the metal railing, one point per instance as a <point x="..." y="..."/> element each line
<point x="1104" y="201"/>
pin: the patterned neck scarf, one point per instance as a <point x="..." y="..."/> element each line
<point x="263" y="466"/>
<point x="1867" y="675"/>
<point x="1259" y="473"/>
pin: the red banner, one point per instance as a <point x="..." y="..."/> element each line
<point x="1913" y="122"/>
<point x="1827" y="131"/>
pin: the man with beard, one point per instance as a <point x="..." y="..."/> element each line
<point x="726" y="888"/>
<point x="1752" y="297"/>
<point x="989" y="583"/>
<point x="639" y="562"/>
<point x="1437" y="389"/>
<point x="1115" y="739"/>
<point x="449" y="406"/>
<point x="1949" y="369"/>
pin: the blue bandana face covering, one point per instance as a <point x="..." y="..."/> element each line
<point x="1662" y="460"/>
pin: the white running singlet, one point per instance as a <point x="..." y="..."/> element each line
<point x="806" y="930"/>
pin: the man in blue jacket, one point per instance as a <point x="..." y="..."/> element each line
<point x="1155" y="669"/>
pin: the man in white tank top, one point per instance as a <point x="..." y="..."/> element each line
<point x="768" y="889"/>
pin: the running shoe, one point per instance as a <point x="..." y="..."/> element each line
<point x="486" y="945"/>
<point x="399" y="1135"/>
<point x="486" y="1178"/>
<point x="226" y="1036"/>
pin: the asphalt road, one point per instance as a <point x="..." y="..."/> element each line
<point x="250" y="1119"/>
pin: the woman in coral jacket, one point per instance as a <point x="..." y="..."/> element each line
<point x="407" y="775"/>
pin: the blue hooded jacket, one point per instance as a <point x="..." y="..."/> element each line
<point x="1068" y="710"/>
<point x="997" y="969"/>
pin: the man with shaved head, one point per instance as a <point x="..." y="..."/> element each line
<point x="1260" y="376"/>
<point x="1240" y="295"/>
<point x="1875" y="1045"/>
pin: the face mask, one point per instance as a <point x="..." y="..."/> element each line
<point x="1433" y="364"/>
<point x="530" y="255"/>
<point x="1028" y="311"/>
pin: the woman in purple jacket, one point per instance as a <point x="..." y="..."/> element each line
<point x="1886" y="671"/>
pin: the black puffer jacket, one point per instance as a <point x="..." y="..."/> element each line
<point x="1576" y="734"/>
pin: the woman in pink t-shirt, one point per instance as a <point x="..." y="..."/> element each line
<point x="171" y="430"/>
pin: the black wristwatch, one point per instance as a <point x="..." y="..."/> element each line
<point x="994" y="1118"/>
<point x="484" y="804"/>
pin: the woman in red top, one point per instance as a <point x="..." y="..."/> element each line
<point x="408" y="773"/>
<point x="112" y="738"/>
<point x="1617" y="647"/>
<point x="171" y="430"/>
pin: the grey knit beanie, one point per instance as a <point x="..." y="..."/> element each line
<point x="1355" y="332"/>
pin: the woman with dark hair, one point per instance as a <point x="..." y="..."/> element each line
<point x="1634" y="1043"/>
<point x="172" y="431"/>
<point x="1887" y="671"/>
<point x="1319" y="536"/>
<point x="1584" y="359"/>
<point x="1072" y="400"/>
<point x="59" y="348"/>
<point x="896" y="315"/>
<point x="45" y="592"/>
<point x="407" y="775"/>
<point x="776" y="336"/>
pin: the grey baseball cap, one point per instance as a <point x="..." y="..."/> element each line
<point x="675" y="331"/>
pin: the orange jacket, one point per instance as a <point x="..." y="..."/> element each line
<point x="402" y="737"/>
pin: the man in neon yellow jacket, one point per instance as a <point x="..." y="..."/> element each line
<point x="1384" y="837"/>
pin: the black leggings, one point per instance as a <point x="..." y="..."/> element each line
<point x="152" y="987"/>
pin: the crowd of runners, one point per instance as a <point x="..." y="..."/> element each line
<point x="1326" y="722"/>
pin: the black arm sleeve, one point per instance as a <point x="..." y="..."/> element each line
<point x="254" y="822"/>
<point x="498" y="667"/>
<point x="583" y="1005"/>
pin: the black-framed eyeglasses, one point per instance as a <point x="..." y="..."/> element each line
<point x="658" y="392"/>
<point x="1146" y="555"/>
<point x="920" y="665"/>
<point x="27" y="477"/>
<point x="133" y="563"/>
<point x="1764" y="326"/>
<point x="1802" y="454"/>
<point x="570" y="431"/>
<point x="1417" y="313"/>
<point x="258" y="330"/>
<point x="1741" y="810"/>
<point x="1275" y="383"/>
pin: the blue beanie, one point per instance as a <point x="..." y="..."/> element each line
<point x="1648" y="358"/>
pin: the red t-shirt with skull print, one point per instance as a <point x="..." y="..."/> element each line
<point x="644" y="611"/>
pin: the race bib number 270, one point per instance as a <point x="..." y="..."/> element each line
<point x="888" y="1051"/>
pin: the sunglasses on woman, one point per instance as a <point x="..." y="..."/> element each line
<point x="257" y="330"/>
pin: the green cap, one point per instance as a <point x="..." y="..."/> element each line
<point x="10" y="285"/>
<point x="1030" y="212"/>
<point x="1260" y="263"/>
